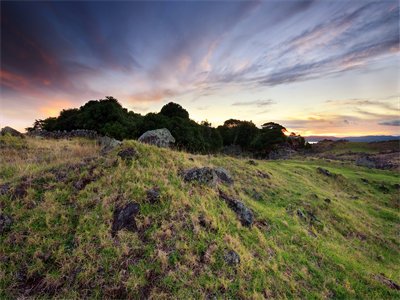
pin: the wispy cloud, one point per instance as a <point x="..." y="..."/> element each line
<point x="390" y="123"/>
<point x="258" y="103"/>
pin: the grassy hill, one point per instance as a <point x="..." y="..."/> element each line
<point x="61" y="196"/>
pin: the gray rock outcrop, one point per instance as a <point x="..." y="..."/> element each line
<point x="159" y="137"/>
<point x="204" y="175"/>
<point x="224" y="176"/>
<point x="125" y="218"/>
<point x="108" y="143"/>
<point x="246" y="215"/>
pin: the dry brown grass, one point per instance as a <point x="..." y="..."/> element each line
<point x="24" y="157"/>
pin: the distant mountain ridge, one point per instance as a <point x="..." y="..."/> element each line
<point x="367" y="138"/>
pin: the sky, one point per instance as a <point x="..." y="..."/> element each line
<point x="327" y="67"/>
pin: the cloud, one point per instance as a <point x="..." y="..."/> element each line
<point x="258" y="103"/>
<point x="390" y="123"/>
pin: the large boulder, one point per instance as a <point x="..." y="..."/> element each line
<point x="108" y="143"/>
<point x="11" y="131"/>
<point x="204" y="175"/>
<point x="246" y="215"/>
<point x="159" y="137"/>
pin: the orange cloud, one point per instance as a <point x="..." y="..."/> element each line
<point x="13" y="81"/>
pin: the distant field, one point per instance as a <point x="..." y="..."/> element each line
<point x="61" y="196"/>
<point x="338" y="147"/>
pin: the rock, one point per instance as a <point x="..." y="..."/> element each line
<point x="324" y="171"/>
<point x="128" y="154"/>
<point x="108" y="144"/>
<point x="327" y="200"/>
<point x="252" y="162"/>
<point x="159" y="137"/>
<point x="390" y="283"/>
<point x="4" y="189"/>
<point x="263" y="175"/>
<point x="311" y="233"/>
<point x="125" y="218"/>
<point x="58" y="134"/>
<point x="301" y="215"/>
<point x="313" y="218"/>
<point x="232" y="258"/>
<point x="365" y="161"/>
<point x="256" y="195"/>
<point x="19" y="192"/>
<point x="204" y="175"/>
<point x="5" y="222"/>
<point x="153" y="195"/>
<point x="224" y="176"/>
<point x="245" y="214"/>
<point x="11" y="131"/>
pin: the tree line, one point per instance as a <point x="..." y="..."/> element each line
<point x="108" y="117"/>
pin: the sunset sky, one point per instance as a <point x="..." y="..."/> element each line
<point x="316" y="67"/>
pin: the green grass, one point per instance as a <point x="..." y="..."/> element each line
<point x="60" y="243"/>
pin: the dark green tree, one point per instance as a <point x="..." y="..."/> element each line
<point x="174" y="110"/>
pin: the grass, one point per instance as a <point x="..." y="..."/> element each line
<point x="60" y="243"/>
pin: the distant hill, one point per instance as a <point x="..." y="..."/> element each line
<point x="367" y="138"/>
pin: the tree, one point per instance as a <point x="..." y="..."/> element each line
<point x="270" y="135"/>
<point x="237" y="132"/>
<point x="174" y="110"/>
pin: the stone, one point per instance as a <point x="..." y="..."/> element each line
<point x="5" y="222"/>
<point x="252" y="162"/>
<point x="301" y="215"/>
<point x="11" y="131"/>
<point x="224" y="176"/>
<point x="19" y="192"/>
<point x="4" y="189"/>
<point x="246" y="215"/>
<point x="390" y="283"/>
<point x="324" y="171"/>
<point x="128" y="154"/>
<point x="153" y="195"/>
<point x="204" y="175"/>
<point x="159" y="137"/>
<point x="256" y="195"/>
<point x="125" y="218"/>
<point x="108" y="144"/>
<point x="232" y="258"/>
<point x="263" y="175"/>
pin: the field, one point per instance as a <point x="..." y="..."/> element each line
<point x="314" y="236"/>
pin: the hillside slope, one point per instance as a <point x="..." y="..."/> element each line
<point x="57" y="206"/>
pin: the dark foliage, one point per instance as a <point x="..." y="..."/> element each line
<point x="108" y="117"/>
